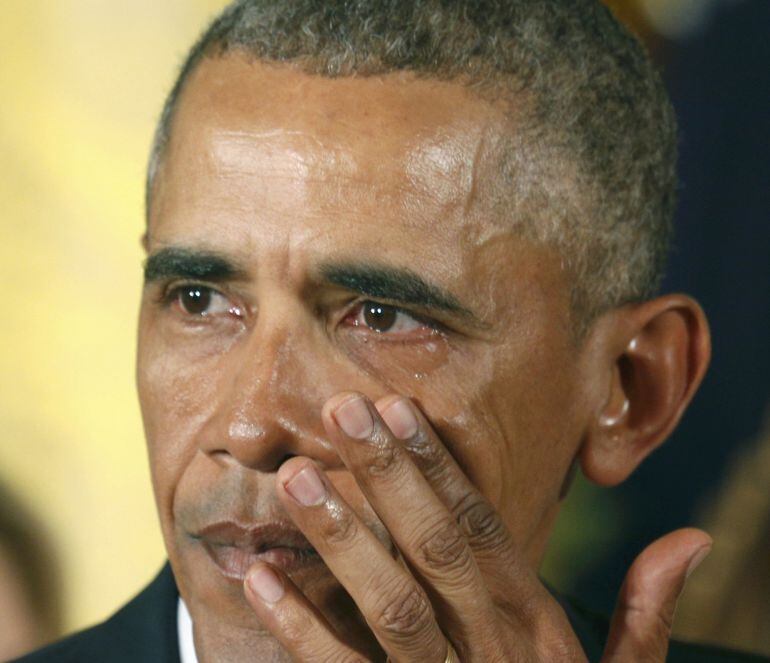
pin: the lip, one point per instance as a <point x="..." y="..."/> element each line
<point x="234" y="547"/>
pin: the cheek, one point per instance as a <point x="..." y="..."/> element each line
<point x="508" y="415"/>
<point x="177" y="370"/>
<point x="536" y="409"/>
<point x="461" y="415"/>
<point x="393" y="362"/>
<point x="451" y="386"/>
<point x="177" y="389"/>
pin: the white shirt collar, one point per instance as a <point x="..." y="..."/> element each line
<point x="184" y="629"/>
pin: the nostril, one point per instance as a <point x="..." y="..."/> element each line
<point x="220" y="455"/>
<point x="225" y="457"/>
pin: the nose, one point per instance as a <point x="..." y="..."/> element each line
<point x="272" y="385"/>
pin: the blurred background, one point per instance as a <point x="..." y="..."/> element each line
<point x="82" y="84"/>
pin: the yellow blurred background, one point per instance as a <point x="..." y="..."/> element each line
<point x="82" y="84"/>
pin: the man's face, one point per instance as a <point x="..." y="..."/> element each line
<point x="310" y="236"/>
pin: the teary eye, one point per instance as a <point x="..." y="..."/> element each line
<point x="195" y="300"/>
<point x="384" y="318"/>
<point x="202" y="301"/>
<point x="379" y="317"/>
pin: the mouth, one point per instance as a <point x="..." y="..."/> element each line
<point x="234" y="548"/>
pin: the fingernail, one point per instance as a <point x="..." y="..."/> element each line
<point x="354" y="418"/>
<point x="697" y="558"/>
<point x="401" y="420"/>
<point x="266" y="584"/>
<point x="306" y="487"/>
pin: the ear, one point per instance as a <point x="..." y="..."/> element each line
<point x="654" y="356"/>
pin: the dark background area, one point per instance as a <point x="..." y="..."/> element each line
<point x="719" y="80"/>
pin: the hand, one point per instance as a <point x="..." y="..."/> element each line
<point x="465" y="586"/>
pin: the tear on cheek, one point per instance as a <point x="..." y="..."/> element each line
<point x="395" y="363"/>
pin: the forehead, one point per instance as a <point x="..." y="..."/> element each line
<point x="399" y="112"/>
<point x="390" y="168"/>
<point x="424" y="145"/>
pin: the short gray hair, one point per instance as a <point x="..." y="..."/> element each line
<point x="590" y="170"/>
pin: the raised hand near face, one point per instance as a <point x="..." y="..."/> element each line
<point x="450" y="585"/>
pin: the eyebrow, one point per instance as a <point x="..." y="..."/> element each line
<point x="399" y="285"/>
<point x="189" y="264"/>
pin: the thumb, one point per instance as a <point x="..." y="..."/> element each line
<point x="641" y="624"/>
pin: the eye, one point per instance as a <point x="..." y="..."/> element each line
<point x="383" y="318"/>
<point x="201" y="301"/>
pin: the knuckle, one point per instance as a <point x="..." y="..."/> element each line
<point x="663" y="624"/>
<point x="446" y="548"/>
<point x="651" y="630"/>
<point x="422" y="447"/>
<point x="480" y="523"/>
<point x="339" y="527"/>
<point x="658" y="623"/>
<point x="405" y="615"/>
<point x="428" y="457"/>
<point x="382" y="460"/>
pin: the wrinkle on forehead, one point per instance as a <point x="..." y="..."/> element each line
<point x="429" y="128"/>
<point x="436" y="168"/>
<point x="275" y="153"/>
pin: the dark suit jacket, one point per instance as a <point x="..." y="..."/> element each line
<point x="145" y="630"/>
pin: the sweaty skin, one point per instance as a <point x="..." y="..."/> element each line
<point x="283" y="175"/>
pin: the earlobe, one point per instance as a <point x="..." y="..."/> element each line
<point x="658" y="352"/>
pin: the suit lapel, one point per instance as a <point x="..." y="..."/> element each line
<point x="145" y="629"/>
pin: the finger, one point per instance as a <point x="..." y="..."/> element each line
<point x="419" y="523"/>
<point x="393" y="603"/>
<point x="477" y="519"/>
<point x="641" y="624"/>
<point x="513" y="584"/>
<point x="292" y="619"/>
<point x="504" y="569"/>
